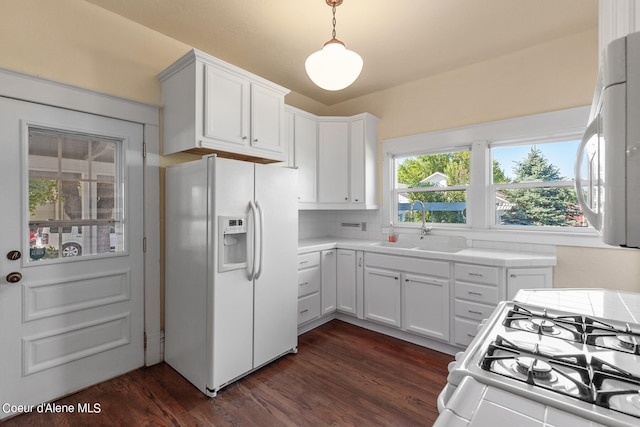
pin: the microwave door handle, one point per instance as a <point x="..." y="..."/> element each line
<point x="251" y="271"/>
<point x="261" y="219"/>
<point x="591" y="215"/>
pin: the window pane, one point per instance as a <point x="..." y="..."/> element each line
<point x="433" y="170"/>
<point x="546" y="207"/>
<point x="554" y="161"/>
<point x="444" y="207"/>
<point x="75" y="204"/>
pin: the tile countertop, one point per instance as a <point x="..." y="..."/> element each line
<point x="603" y="303"/>
<point x="471" y="255"/>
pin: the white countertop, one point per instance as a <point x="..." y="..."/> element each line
<point x="471" y="255"/>
<point x="603" y="303"/>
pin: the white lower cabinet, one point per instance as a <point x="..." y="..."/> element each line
<point x="477" y="292"/>
<point x="527" y="278"/>
<point x="309" y="278"/>
<point x="408" y="293"/>
<point x="479" y="288"/>
<point x="382" y="296"/>
<point x="346" y="281"/>
<point x="426" y="306"/>
<point x="328" y="263"/>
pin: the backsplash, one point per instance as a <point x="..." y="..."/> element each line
<point x="349" y="224"/>
<point x="367" y="225"/>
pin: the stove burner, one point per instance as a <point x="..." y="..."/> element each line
<point x="544" y="325"/>
<point x="532" y="366"/>
<point x="568" y="328"/>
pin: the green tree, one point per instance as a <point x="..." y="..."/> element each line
<point x="41" y="192"/>
<point x="540" y="206"/>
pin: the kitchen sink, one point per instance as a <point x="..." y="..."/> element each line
<point x="427" y="243"/>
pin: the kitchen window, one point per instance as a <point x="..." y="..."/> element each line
<point x="500" y="180"/>
<point x="533" y="185"/>
<point x="434" y="182"/>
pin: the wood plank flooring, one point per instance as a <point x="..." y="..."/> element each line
<point x="343" y="375"/>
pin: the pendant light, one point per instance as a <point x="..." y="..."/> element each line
<point x="334" y="67"/>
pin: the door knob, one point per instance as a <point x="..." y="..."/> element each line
<point x="14" y="277"/>
<point x="14" y="255"/>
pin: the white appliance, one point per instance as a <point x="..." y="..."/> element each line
<point x="231" y="272"/>
<point x="611" y="144"/>
<point x="548" y="363"/>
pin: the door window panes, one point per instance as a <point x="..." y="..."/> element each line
<point x="75" y="197"/>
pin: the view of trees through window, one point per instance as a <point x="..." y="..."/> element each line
<point x="529" y="187"/>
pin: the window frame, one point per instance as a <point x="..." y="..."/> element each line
<point x="551" y="126"/>
<point x="494" y="187"/>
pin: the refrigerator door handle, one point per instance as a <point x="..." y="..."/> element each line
<point x="251" y="272"/>
<point x="261" y="217"/>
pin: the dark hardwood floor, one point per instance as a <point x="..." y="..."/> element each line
<point x="343" y="375"/>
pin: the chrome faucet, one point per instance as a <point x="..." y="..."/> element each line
<point x="424" y="229"/>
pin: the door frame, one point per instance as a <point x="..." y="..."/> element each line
<point x="34" y="89"/>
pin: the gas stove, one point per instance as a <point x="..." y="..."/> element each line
<point x="583" y="365"/>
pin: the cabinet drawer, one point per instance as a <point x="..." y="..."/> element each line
<point x="477" y="293"/>
<point x="465" y="331"/>
<point x="477" y="274"/>
<point x="308" y="281"/>
<point x="308" y="260"/>
<point x="473" y="310"/>
<point x="308" y="308"/>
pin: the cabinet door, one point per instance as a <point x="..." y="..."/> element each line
<point x="306" y="146"/>
<point x="267" y="120"/>
<point x="226" y="107"/>
<point x="333" y="162"/>
<point x="357" y="162"/>
<point x="346" y="281"/>
<point x="527" y="278"/>
<point x="329" y="281"/>
<point x="426" y="306"/>
<point x="382" y="296"/>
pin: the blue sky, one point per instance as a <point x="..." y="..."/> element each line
<point x="562" y="155"/>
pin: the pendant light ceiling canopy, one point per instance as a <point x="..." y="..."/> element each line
<point x="334" y="67"/>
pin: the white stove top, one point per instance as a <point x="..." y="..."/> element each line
<point x="500" y="359"/>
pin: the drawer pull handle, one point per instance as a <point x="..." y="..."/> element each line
<point x="304" y="262"/>
<point x="328" y="253"/>
<point x="304" y="283"/>
<point x="474" y="312"/>
<point x="472" y="336"/>
<point x="304" y="311"/>
<point x="474" y="293"/>
<point x="475" y="274"/>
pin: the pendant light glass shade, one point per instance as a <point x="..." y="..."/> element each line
<point x="334" y="67"/>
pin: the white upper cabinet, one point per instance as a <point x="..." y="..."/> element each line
<point x="303" y="152"/>
<point x="333" y="162"/>
<point x="336" y="157"/>
<point x="212" y="106"/>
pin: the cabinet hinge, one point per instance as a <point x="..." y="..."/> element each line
<point x="144" y="244"/>
<point x="144" y="150"/>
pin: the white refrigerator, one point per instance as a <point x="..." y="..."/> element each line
<point x="230" y="279"/>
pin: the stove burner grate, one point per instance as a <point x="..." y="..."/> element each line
<point x="591" y="380"/>
<point x="569" y="328"/>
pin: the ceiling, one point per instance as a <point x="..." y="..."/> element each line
<point x="400" y="41"/>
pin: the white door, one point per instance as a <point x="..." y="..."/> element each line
<point x="71" y="260"/>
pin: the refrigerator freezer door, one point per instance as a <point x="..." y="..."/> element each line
<point x="230" y="293"/>
<point x="276" y="293"/>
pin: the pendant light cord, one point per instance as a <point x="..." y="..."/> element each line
<point x="334" y="20"/>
